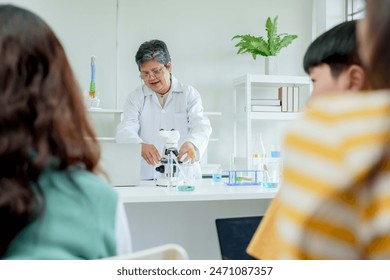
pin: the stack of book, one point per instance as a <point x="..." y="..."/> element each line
<point x="287" y="101"/>
<point x="289" y="97"/>
<point x="266" y="105"/>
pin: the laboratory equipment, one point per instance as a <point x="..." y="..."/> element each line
<point x="169" y="163"/>
<point x="263" y="150"/>
<point x="271" y="172"/>
<point x="256" y="161"/>
<point x="267" y="176"/>
<point x="244" y="178"/>
<point x="187" y="174"/>
<point x="275" y="151"/>
<point x="217" y="176"/>
<point x="185" y="188"/>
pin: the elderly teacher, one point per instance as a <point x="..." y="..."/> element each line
<point x="162" y="102"/>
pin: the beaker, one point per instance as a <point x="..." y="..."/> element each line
<point x="271" y="174"/>
<point x="275" y="151"/>
<point x="217" y="176"/>
<point x="187" y="174"/>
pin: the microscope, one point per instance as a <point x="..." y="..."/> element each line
<point x="169" y="163"/>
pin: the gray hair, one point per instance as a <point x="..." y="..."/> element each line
<point x="152" y="50"/>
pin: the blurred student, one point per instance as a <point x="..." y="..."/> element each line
<point x="333" y="64"/>
<point x="52" y="203"/>
<point x="332" y="61"/>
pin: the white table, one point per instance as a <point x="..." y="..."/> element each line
<point x="159" y="215"/>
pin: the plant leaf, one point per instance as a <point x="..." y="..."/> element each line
<point x="285" y="41"/>
<point x="251" y="44"/>
<point x="271" y="27"/>
<point x="258" y="46"/>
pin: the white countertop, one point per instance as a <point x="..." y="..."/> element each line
<point x="204" y="191"/>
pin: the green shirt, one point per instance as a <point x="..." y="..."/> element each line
<point x="77" y="222"/>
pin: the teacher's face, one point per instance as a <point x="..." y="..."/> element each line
<point x="156" y="76"/>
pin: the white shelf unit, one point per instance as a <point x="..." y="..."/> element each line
<point x="242" y="96"/>
<point x="208" y="168"/>
<point x="207" y="114"/>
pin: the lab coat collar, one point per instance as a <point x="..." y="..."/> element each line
<point x="175" y="88"/>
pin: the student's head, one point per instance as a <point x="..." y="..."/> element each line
<point x="43" y="123"/>
<point x="374" y="42"/>
<point x="332" y="61"/>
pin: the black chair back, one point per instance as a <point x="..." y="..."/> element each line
<point x="234" y="235"/>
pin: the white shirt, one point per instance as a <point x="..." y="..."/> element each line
<point x="122" y="232"/>
<point x="144" y="117"/>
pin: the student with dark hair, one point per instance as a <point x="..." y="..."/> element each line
<point x="333" y="63"/>
<point x="162" y="102"/>
<point x="52" y="203"/>
<point x="335" y="199"/>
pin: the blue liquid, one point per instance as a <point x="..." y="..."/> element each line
<point x="217" y="178"/>
<point x="269" y="185"/>
<point x="185" y="188"/>
<point x="275" y="154"/>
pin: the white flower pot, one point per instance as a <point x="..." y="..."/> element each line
<point x="270" y="65"/>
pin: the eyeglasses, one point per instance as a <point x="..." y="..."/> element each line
<point x="154" y="73"/>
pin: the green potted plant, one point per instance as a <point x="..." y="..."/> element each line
<point x="264" y="47"/>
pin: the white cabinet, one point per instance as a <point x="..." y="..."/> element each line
<point x="245" y="87"/>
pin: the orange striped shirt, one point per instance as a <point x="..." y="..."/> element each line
<point x="326" y="209"/>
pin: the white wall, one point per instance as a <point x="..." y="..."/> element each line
<point x="85" y="28"/>
<point x="327" y="14"/>
<point x="198" y="34"/>
<point x="335" y="13"/>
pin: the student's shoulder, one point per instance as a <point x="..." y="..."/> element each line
<point x="335" y="120"/>
<point x="349" y="105"/>
<point x="85" y="181"/>
<point x="84" y="176"/>
<point x="350" y="127"/>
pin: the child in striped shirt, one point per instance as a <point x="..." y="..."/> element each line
<point x="334" y="66"/>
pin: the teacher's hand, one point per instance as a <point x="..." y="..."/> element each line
<point x="150" y="154"/>
<point x="187" y="150"/>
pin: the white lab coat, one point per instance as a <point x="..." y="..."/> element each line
<point x="144" y="117"/>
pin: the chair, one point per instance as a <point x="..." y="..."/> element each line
<point x="234" y="235"/>
<point x="163" y="252"/>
